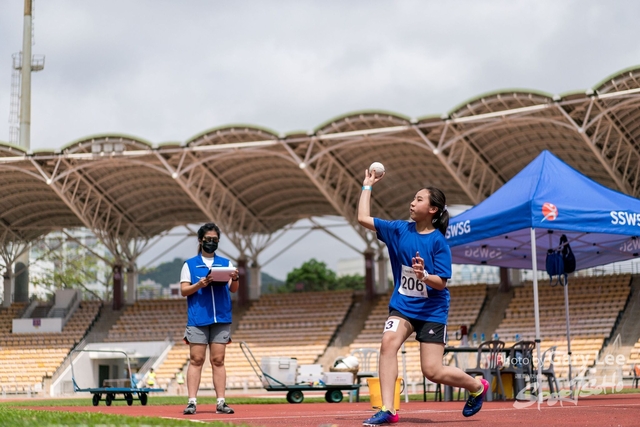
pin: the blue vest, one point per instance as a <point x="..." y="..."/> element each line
<point x="211" y="304"/>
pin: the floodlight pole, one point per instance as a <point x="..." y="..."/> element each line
<point x="25" y="74"/>
<point x="25" y="104"/>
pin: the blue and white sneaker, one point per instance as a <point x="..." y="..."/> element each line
<point x="382" y="418"/>
<point x="474" y="403"/>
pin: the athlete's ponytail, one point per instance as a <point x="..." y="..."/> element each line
<point x="441" y="218"/>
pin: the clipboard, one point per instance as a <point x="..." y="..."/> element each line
<point x="221" y="274"/>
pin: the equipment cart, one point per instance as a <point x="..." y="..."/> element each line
<point x="110" y="393"/>
<point x="295" y="393"/>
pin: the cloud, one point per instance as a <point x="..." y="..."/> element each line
<point x="166" y="70"/>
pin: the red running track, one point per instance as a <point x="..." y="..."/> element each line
<point x="604" y="410"/>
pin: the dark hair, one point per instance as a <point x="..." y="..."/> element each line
<point x="441" y="218"/>
<point x="203" y="230"/>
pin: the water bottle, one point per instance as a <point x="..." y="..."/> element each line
<point x="517" y="337"/>
<point x="482" y="337"/>
<point x="475" y="339"/>
<point x="495" y="336"/>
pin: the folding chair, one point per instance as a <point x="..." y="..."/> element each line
<point x="368" y="359"/>
<point x="549" y="372"/>
<point x="522" y="354"/>
<point x="493" y="351"/>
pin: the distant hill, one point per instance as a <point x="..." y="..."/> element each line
<point x="169" y="272"/>
<point x="165" y="273"/>
<point x="268" y="283"/>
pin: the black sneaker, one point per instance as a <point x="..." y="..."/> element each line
<point x="223" y="408"/>
<point x="190" y="410"/>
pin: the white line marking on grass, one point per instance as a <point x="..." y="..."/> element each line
<point x="185" y="419"/>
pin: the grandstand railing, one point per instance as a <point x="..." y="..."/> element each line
<point x="153" y="361"/>
<point x="30" y="308"/>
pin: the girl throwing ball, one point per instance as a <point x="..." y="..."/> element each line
<point x="421" y="264"/>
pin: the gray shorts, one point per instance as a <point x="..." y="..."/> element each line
<point x="219" y="333"/>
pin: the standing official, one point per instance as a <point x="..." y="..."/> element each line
<point x="209" y="315"/>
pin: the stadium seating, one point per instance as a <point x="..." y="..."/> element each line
<point x="174" y="362"/>
<point x="302" y="325"/>
<point x="151" y="320"/>
<point x="633" y="361"/>
<point x="27" y="358"/>
<point x="594" y="306"/>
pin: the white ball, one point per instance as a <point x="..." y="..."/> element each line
<point x="377" y="168"/>
<point x="348" y="362"/>
<point x="352" y="362"/>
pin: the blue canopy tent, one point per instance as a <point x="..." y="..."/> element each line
<point x="516" y="225"/>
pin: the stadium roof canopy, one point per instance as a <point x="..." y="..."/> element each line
<point x="253" y="181"/>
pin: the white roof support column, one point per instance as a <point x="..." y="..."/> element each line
<point x="132" y="283"/>
<point x="382" y="270"/>
<point x="255" y="281"/>
<point x="8" y="283"/>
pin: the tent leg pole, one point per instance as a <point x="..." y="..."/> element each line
<point x="566" y="310"/>
<point x="536" y="309"/>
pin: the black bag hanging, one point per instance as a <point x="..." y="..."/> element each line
<point x="555" y="266"/>
<point x="568" y="258"/>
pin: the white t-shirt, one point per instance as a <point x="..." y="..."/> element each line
<point x="185" y="274"/>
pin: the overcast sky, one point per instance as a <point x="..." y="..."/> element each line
<point x="166" y="70"/>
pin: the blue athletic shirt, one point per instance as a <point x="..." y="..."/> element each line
<point x="411" y="297"/>
<point x="211" y="304"/>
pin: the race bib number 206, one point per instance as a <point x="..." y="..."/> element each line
<point x="410" y="285"/>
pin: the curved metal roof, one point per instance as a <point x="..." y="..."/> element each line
<point x="252" y="180"/>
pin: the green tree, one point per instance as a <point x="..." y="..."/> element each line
<point x="312" y="275"/>
<point x="352" y="281"/>
<point x="71" y="266"/>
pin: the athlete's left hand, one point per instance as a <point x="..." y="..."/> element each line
<point x="417" y="263"/>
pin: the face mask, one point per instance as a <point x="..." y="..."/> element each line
<point x="209" y="247"/>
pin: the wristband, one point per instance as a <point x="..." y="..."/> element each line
<point x="366" y="187"/>
<point x="425" y="278"/>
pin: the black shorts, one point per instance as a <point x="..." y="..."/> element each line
<point x="425" y="331"/>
